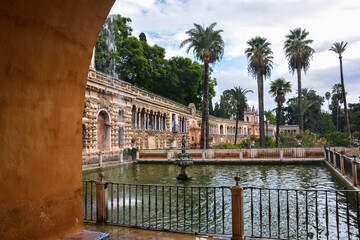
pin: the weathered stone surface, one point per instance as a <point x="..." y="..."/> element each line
<point x="149" y="119"/>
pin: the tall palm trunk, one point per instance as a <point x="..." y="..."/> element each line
<point x="278" y="124"/>
<point x="337" y="118"/>
<point x="261" y="110"/>
<point x="205" y="110"/>
<point x="237" y="120"/>
<point x="301" y="117"/>
<point x="344" y="97"/>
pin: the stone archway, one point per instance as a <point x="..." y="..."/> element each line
<point x="45" y="50"/>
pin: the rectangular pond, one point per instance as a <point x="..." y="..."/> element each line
<point x="279" y="200"/>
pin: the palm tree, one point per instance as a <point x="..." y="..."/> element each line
<point x="208" y="46"/>
<point x="298" y="53"/>
<point x="337" y="95"/>
<point x="339" y="48"/>
<point x="278" y="89"/>
<point x="260" y="57"/>
<point x="238" y="95"/>
<point x="327" y="96"/>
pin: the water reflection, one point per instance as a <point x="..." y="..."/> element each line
<point x="278" y="176"/>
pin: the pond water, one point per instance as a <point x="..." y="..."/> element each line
<point x="295" y="214"/>
<point x="271" y="176"/>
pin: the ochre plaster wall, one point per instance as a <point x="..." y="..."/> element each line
<point x="45" y="52"/>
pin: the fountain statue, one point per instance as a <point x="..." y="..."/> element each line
<point x="183" y="160"/>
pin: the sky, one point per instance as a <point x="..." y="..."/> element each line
<point x="165" y="23"/>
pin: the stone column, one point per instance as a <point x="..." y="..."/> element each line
<point x="138" y="120"/>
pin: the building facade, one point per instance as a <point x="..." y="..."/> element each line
<point x="118" y="116"/>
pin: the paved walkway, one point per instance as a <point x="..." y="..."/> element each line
<point x="137" y="234"/>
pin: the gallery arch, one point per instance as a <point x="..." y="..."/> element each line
<point x="103" y="131"/>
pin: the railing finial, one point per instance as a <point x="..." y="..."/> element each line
<point x="101" y="175"/>
<point x="237" y="179"/>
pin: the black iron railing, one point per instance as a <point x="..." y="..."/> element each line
<point x="348" y="167"/>
<point x="89" y="200"/>
<point x="194" y="209"/>
<point x="301" y="214"/>
<point x="268" y="212"/>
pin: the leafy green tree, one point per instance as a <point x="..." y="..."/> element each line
<point x="270" y="116"/>
<point x="260" y="55"/>
<point x="354" y="115"/>
<point x="292" y="110"/>
<point x="238" y="96"/>
<point x="224" y="108"/>
<point x="115" y="29"/>
<point x="312" y="117"/>
<point x="208" y="46"/>
<point x="278" y="89"/>
<point x="337" y="139"/>
<point x="298" y="53"/>
<point x="122" y="55"/>
<point x="327" y="124"/>
<point x="335" y="107"/>
<point x="142" y="37"/>
<point x="339" y="48"/>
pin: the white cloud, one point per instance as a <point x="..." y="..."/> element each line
<point x="327" y="21"/>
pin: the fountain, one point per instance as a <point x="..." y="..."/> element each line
<point x="183" y="160"/>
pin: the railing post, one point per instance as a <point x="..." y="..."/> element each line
<point x="241" y="154"/>
<point x="101" y="200"/>
<point x="354" y="171"/>
<point x="281" y="154"/>
<point x="342" y="167"/>
<point x="237" y="206"/>
<point x="326" y="154"/>
<point x="137" y="155"/>
<point x="203" y="155"/>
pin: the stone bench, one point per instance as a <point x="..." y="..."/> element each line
<point x="153" y="155"/>
<point x="314" y="154"/>
<point x="288" y="155"/>
<point x="227" y="155"/>
<point x="269" y="155"/>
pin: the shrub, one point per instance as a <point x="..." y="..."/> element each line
<point x="286" y="140"/>
<point x="252" y="137"/>
<point x="311" y="139"/>
<point x="269" y="142"/>
<point x="337" y="139"/>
